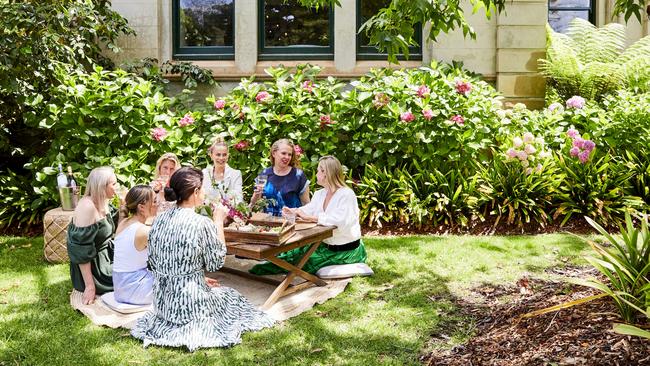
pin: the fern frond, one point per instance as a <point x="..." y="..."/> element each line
<point x="597" y="44"/>
<point x="639" y="50"/>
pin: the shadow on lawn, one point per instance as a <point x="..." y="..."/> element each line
<point x="377" y="320"/>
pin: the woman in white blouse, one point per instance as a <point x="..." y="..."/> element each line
<point x="220" y="179"/>
<point x="334" y="205"/>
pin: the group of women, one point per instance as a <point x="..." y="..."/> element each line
<point x="165" y="264"/>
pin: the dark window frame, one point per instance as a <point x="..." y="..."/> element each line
<point x="365" y="52"/>
<point x="198" y="52"/>
<point x="591" y="10"/>
<point x="290" y="53"/>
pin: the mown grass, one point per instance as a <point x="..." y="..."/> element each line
<point x="386" y="319"/>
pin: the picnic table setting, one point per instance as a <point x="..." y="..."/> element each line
<point x="204" y="261"/>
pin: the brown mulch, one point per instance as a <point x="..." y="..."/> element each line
<point x="476" y="227"/>
<point x="579" y="335"/>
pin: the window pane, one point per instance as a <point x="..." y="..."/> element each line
<point x="206" y="23"/>
<point x="569" y="3"/>
<point x="368" y="8"/>
<point x="559" y="19"/>
<point x="288" y="24"/>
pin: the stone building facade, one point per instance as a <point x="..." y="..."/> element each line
<point x="505" y="50"/>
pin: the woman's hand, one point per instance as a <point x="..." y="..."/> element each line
<point x="219" y="213"/>
<point x="211" y="282"/>
<point x="157" y="185"/>
<point x="88" y="295"/>
<point x="289" y="211"/>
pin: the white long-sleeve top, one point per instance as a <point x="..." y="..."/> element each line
<point x="231" y="183"/>
<point x="342" y="211"/>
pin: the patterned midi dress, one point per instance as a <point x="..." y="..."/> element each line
<point x="186" y="312"/>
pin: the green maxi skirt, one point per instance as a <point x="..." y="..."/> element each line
<point x="322" y="257"/>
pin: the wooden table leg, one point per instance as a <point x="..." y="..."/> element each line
<point x="293" y="272"/>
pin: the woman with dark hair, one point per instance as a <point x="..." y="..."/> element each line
<point x="190" y="309"/>
<point x="286" y="184"/>
<point x="132" y="281"/>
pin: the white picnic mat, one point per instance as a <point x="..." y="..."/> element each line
<point x="256" y="292"/>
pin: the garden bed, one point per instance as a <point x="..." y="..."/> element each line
<point x="580" y="335"/>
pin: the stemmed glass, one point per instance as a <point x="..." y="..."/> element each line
<point x="260" y="182"/>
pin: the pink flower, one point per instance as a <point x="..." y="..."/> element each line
<point x="428" y="114"/>
<point x="186" y="120"/>
<point x="578" y="142"/>
<point x="573" y="133"/>
<point x="158" y="133"/>
<point x="588" y="145"/>
<point x="463" y="87"/>
<point x="511" y="153"/>
<point x="522" y="155"/>
<point x="530" y="149"/>
<point x="407" y="117"/>
<point x="539" y="168"/>
<point x="297" y="150"/>
<point x="262" y="97"/>
<point x="584" y="156"/>
<point x="219" y="104"/>
<point x="517" y="142"/>
<point x="325" y="120"/>
<point x="380" y="100"/>
<point x="458" y="119"/>
<point x="574" y="151"/>
<point x="423" y="91"/>
<point x="308" y="85"/>
<point x="555" y="106"/>
<point x="529" y="171"/>
<point x="576" y="102"/>
<point x="242" y="145"/>
<point x="529" y="137"/>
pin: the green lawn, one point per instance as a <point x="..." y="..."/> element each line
<point x="386" y="319"/>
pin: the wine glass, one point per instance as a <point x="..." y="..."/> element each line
<point x="260" y="182"/>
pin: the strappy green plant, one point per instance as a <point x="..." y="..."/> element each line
<point x="626" y="264"/>
<point x="593" y="62"/>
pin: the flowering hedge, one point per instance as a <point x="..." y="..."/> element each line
<point x="461" y="157"/>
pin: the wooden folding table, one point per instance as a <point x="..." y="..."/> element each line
<point x="309" y="237"/>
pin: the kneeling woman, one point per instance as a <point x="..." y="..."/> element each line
<point x="132" y="281"/>
<point x="188" y="308"/>
<point x="335" y="204"/>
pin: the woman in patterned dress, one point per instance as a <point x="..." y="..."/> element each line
<point x="189" y="309"/>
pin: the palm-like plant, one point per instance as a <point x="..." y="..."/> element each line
<point x="592" y="62"/>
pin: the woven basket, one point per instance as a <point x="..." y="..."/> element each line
<point x="55" y="235"/>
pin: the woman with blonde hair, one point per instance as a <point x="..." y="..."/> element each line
<point x="90" y="233"/>
<point x="166" y="165"/>
<point x="133" y="282"/>
<point x="286" y="185"/>
<point x="220" y="179"/>
<point x="334" y="205"/>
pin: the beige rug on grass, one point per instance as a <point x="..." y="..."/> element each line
<point x="256" y="292"/>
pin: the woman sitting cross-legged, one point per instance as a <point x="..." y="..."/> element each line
<point x="190" y="309"/>
<point x="90" y="236"/>
<point x="335" y="204"/>
<point x="132" y="281"/>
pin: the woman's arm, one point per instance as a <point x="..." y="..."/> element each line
<point x="142" y="238"/>
<point x="304" y="196"/>
<point x="89" y="283"/>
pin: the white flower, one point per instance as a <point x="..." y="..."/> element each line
<point x="525" y="163"/>
<point x="517" y="142"/>
<point x="529" y="137"/>
<point x="530" y="149"/>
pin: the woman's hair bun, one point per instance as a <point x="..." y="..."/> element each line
<point x="170" y="194"/>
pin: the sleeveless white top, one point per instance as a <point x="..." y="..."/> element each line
<point x="127" y="258"/>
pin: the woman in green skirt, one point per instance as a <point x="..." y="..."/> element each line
<point x="335" y="204"/>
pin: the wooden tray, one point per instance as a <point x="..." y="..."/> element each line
<point x="268" y="238"/>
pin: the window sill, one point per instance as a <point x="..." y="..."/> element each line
<point x="228" y="70"/>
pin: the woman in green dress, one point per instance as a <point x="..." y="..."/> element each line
<point x="334" y="205"/>
<point x="90" y="236"/>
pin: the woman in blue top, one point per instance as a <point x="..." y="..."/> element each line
<point x="286" y="185"/>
